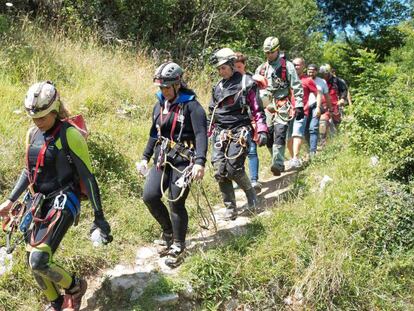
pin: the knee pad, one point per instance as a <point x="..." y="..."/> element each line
<point x="39" y="261"/>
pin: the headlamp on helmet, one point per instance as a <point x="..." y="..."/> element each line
<point x="325" y="69"/>
<point x="41" y="98"/>
<point x="222" y="56"/>
<point x="271" y="44"/>
<point x="167" y="74"/>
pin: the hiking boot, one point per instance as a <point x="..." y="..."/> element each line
<point x="167" y="241"/>
<point x="276" y="171"/>
<point x="55" y="305"/>
<point x="257" y="186"/>
<point x="230" y="214"/>
<point x="295" y="164"/>
<point x="73" y="297"/>
<point x="176" y="255"/>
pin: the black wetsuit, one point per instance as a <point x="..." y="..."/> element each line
<point x="56" y="174"/>
<point x="193" y="132"/>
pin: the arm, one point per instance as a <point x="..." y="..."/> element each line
<point x="23" y="181"/>
<point x="257" y="112"/>
<point x="295" y="85"/>
<point x="20" y="187"/>
<point x="152" y="139"/>
<point x="79" y="153"/>
<point x="199" y="124"/>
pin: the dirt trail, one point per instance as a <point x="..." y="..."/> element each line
<point x="148" y="267"/>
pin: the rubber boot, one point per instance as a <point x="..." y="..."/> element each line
<point x="229" y="199"/>
<point x="251" y="199"/>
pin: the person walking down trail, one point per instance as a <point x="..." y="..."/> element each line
<point x="338" y="94"/>
<point x="283" y="81"/>
<point x="178" y="141"/>
<point x="235" y="97"/>
<point x="297" y="131"/>
<point x="240" y="66"/>
<point x="57" y="162"/>
<point x="316" y="109"/>
<point x="343" y="101"/>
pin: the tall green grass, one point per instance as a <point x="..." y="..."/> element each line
<point x="95" y="81"/>
<point x="347" y="247"/>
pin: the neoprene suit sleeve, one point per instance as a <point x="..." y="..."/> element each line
<point x="199" y="124"/>
<point x="20" y="187"/>
<point x="152" y="139"/>
<point x="78" y="150"/>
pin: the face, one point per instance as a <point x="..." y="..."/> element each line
<point x="169" y="92"/>
<point x="45" y="123"/>
<point x="298" y="63"/>
<point x="312" y="72"/>
<point x="240" y="67"/>
<point x="225" y="71"/>
<point x="271" y="56"/>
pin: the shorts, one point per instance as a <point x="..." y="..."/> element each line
<point x="297" y="128"/>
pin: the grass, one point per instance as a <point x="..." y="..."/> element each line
<point x="348" y="247"/>
<point x="336" y="248"/>
<point x="95" y="81"/>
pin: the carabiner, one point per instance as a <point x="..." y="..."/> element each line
<point x="60" y="201"/>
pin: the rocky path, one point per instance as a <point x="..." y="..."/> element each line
<point x="131" y="280"/>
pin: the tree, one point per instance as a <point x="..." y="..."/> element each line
<point x="362" y="16"/>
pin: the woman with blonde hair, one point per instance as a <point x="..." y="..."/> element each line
<point x="57" y="161"/>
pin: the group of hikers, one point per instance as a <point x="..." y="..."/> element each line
<point x="278" y="106"/>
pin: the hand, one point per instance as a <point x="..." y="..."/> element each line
<point x="198" y="172"/>
<point x="142" y="167"/>
<point x="262" y="139"/>
<point x="299" y="113"/>
<point x="5" y="208"/>
<point x="341" y="102"/>
<point x="318" y="112"/>
<point x="101" y="223"/>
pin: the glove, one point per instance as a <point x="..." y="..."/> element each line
<point x="101" y="223"/>
<point x="262" y="139"/>
<point x="299" y="113"/>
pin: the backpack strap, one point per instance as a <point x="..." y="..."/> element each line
<point x="283" y="64"/>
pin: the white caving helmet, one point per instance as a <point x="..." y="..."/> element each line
<point x="41" y="98"/>
<point x="222" y="56"/>
<point x="271" y="44"/>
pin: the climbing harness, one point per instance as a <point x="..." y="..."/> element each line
<point x="283" y="108"/>
<point x="226" y="137"/>
<point x="19" y="218"/>
<point x="169" y="150"/>
<point x="62" y="199"/>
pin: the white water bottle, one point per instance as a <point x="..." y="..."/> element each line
<point x="96" y="237"/>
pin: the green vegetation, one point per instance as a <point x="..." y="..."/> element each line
<point x="348" y="247"/>
<point x="95" y="81"/>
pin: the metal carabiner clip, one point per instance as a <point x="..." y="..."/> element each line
<point x="60" y="201"/>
